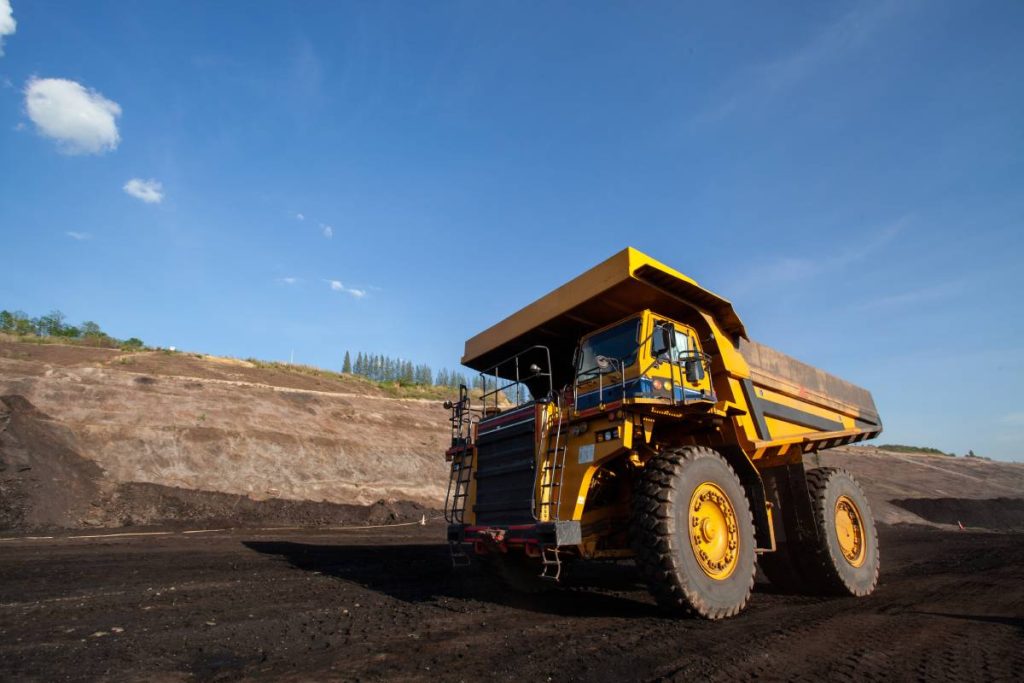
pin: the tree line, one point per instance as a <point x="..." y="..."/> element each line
<point x="55" y="324"/>
<point x="382" y="368"/>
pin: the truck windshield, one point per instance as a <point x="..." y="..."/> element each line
<point x="619" y="343"/>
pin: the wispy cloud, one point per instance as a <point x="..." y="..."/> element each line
<point x="792" y="269"/>
<point x="337" y="286"/>
<point x="150" y="191"/>
<point x="327" y="230"/>
<point x="836" y="41"/>
<point x="914" y="297"/>
<point x="1014" y="419"/>
<point x="300" y="217"/>
<point x="288" y="280"/>
<point x="80" y="236"/>
<point x="7" y="23"/>
<point x="81" y="120"/>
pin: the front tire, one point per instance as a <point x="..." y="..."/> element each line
<point x="693" y="533"/>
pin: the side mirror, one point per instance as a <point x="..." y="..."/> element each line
<point x="661" y="343"/>
<point x="694" y="370"/>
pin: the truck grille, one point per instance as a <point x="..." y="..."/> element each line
<point x="505" y="468"/>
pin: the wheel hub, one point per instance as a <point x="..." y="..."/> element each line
<point x="714" y="533"/>
<point x="850" y="531"/>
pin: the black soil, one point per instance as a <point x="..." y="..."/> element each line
<point x="44" y="482"/>
<point x="1000" y="514"/>
<point x="385" y="604"/>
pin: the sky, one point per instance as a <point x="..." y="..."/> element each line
<point x="268" y="179"/>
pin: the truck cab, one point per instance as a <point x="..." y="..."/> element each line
<point x="643" y="359"/>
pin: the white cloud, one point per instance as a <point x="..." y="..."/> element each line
<point x="81" y="120"/>
<point x="337" y="286"/>
<point x="76" y="235"/>
<point x="328" y="231"/>
<point x="7" y="23"/>
<point x="150" y="191"/>
<point x="289" y="280"/>
<point x="299" y="217"/>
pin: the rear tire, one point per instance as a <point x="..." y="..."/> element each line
<point x="846" y="561"/>
<point x="693" y="533"/>
<point x="843" y="559"/>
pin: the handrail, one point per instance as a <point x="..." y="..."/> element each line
<point x="600" y="375"/>
<point x="519" y="381"/>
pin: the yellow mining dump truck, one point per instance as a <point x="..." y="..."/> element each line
<point x="626" y="414"/>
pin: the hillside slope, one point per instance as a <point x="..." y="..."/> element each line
<point x="228" y="426"/>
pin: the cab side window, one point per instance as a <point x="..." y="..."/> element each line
<point x="682" y="350"/>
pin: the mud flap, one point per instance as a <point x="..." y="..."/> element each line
<point x="786" y="489"/>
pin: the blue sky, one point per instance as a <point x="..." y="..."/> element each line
<point x="849" y="174"/>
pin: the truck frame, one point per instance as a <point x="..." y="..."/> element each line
<point x="627" y="415"/>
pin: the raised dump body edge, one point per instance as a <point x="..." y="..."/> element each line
<point x="790" y="398"/>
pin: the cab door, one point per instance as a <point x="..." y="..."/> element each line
<point x="680" y="364"/>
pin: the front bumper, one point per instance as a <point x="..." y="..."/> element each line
<point x="530" y="536"/>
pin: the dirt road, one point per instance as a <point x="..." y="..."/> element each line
<point x="384" y="604"/>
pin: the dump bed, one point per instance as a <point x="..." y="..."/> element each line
<point x="792" y="398"/>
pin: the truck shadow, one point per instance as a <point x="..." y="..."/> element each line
<point x="419" y="573"/>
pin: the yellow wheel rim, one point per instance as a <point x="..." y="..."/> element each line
<point x="850" y="531"/>
<point x="714" y="533"/>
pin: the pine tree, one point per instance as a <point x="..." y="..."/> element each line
<point x="346" y="365"/>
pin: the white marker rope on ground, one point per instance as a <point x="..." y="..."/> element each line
<point x="422" y="522"/>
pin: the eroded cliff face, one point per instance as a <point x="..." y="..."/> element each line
<point x="217" y="426"/>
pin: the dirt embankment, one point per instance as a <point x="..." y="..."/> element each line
<point x="45" y="483"/>
<point x="200" y="424"/>
<point x="96" y="419"/>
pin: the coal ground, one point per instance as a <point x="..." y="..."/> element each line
<point x="385" y="604"/>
